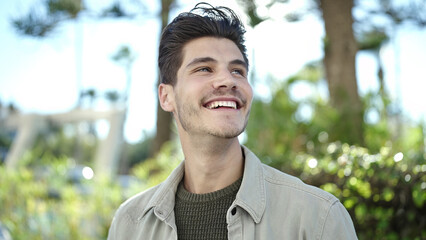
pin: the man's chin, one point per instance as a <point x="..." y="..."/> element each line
<point x="234" y="133"/>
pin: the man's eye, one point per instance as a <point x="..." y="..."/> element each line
<point x="204" y="69"/>
<point x="238" y="71"/>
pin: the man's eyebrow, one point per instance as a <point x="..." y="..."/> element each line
<point x="239" y="62"/>
<point x="201" y="60"/>
<point x="210" y="59"/>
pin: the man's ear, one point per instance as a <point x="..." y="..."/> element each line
<point x="166" y="97"/>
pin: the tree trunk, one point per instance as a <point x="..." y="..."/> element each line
<point x="339" y="60"/>
<point x="164" y="119"/>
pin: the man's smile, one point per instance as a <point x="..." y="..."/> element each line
<point x="222" y="104"/>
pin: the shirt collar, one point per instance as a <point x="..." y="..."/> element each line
<point x="251" y="196"/>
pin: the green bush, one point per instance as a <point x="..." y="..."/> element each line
<point x="43" y="204"/>
<point x="40" y="201"/>
<point x="384" y="192"/>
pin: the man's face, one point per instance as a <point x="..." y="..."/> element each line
<point x="212" y="95"/>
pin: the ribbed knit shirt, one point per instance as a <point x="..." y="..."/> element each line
<point x="203" y="216"/>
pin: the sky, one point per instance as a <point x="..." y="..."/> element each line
<point x="39" y="75"/>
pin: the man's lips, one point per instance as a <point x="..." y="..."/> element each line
<point x="219" y="103"/>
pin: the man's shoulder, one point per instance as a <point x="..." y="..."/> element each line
<point x="283" y="185"/>
<point x="134" y="207"/>
<point x="304" y="207"/>
<point x="138" y="205"/>
<point x="288" y="184"/>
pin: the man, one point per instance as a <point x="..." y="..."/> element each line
<point x="221" y="190"/>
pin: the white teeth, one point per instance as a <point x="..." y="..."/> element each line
<point x="217" y="104"/>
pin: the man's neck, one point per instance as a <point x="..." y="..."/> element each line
<point x="211" y="164"/>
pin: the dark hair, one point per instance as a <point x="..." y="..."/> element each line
<point x="203" y="20"/>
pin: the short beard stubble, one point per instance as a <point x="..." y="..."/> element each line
<point x="186" y="112"/>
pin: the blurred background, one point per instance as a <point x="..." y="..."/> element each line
<point x="339" y="102"/>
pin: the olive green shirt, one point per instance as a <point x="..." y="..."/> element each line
<point x="203" y="216"/>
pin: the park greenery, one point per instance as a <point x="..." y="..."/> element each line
<point x="380" y="179"/>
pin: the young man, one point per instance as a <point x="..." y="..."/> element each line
<point x="221" y="190"/>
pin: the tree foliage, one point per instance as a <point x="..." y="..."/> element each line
<point x="42" y="20"/>
<point x="349" y="26"/>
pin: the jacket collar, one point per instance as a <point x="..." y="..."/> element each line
<point x="251" y="196"/>
<point x="163" y="200"/>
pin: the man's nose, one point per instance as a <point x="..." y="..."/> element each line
<point x="225" y="79"/>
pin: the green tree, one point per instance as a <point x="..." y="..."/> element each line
<point x="339" y="61"/>
<point x="341" y="43"/>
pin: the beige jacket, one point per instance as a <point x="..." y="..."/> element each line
<point x="269" y="205"/>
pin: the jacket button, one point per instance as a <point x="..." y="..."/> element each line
<point x="234" y="211"/>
